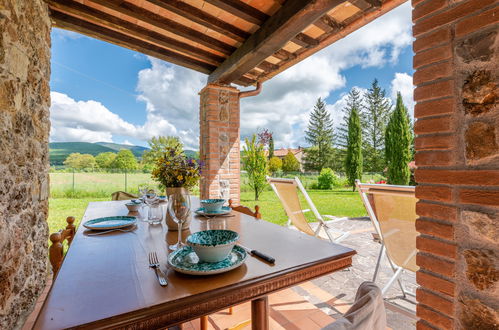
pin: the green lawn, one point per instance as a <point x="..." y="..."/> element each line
<point x="338" y="202"/>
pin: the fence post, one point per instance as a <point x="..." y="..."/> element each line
<point x="126" y="180"/>
<point x="73" y="181"/>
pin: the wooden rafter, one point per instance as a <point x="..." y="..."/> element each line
<point x="284" y="25"/>
<point x="349" y="26"/>
<point x="199" y="16"/>
<point x="147" y="16"/>
<point x="253" y="15"/>
<point x="241" y="10"/>
<point x="366" y="4"/>
<point x="95" y="16"/>
<point x="328" y="24"/>
<point x="75" y="24"/>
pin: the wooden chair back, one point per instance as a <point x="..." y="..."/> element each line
<point x="246" y="210"/>
<point x="56" y="250"/>
<point x="121" y="196"/>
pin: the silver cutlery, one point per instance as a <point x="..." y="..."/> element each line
<point x="110" y="231"/>
<point x="154" y="264"/>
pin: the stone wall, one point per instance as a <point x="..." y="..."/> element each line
<point x="24" y="135"/>
<point x="457" y="78"/>
<point x="219" y="142"/>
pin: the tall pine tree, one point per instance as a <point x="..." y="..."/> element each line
<point x="398" y="141"/>
<point x="320" y="135"/>
<point x="354" y="101"/>
<point x="353" y="160"/>
<point x="271" y="147"/>
<point x="374" y="117"/>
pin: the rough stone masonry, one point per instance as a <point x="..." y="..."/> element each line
<point x="24" y="135"/>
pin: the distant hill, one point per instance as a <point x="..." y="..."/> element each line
<point x="136" y="150"/>
<point x="59" y="151"/>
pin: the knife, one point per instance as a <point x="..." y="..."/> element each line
<point x="258" y="254"/>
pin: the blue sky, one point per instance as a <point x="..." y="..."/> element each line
<point x="103" y="92"/>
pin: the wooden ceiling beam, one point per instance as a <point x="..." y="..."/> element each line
<point x="244" y="81"/>
<point x="68" y="22"/>
<point x="164" y="23"/>
<point x="366" y="4"/>
<point x="203" y="18"/>
<point x="292" y="18"/>
<point x="328" y="24"/>
<point x="284" y="55"/>
<point x="255" y="16"/>
<point x="241" y="10"/>
<point x="95" y="16"/>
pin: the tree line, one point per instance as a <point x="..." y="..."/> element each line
<point x="373" y="136"/>
<point x="125" y="159"/>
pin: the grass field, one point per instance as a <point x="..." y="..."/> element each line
<point x="339" y="202"/>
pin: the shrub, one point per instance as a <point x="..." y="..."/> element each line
<point x="290" y="163"/>
<point x="327" y="179"/>
<point x="275" y="164"/>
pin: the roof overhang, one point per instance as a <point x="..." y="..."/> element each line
<point x="233" y="41"/>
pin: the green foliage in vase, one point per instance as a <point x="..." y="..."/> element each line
<point x="353" y="159"/>
<point x="159" y="145"/>
<point x="398" y="141"/>
<point x="174" y="169"/>
<point x="255" y="164"/>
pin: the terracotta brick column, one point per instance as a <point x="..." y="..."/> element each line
<point x="219" y="142"/>
<point x="456" y="61"/>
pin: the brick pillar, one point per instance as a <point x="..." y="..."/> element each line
<point x="219" y="142"/>
<point x="457" y="144"/>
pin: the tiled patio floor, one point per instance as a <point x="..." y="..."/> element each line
<point x="315" y="304"/>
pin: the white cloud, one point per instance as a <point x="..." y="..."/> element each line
<point x="66" y="34"/>
<point x="402" y="82"/>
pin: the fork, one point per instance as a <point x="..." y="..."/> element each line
<point x="154" y="264"/>
<point x="110" y="231"/>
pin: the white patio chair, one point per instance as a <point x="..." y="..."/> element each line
<point x="286" y="191"/>
<point x="392" y="210"/>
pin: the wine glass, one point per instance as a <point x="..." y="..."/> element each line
<point x="179" y="205"/>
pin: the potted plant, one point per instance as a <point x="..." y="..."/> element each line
<point x="177" y="174"/>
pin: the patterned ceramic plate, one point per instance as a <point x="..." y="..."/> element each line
<point x="110" y="223"/>
<point x="186" y="261"/>
<point x="224" y="211"/>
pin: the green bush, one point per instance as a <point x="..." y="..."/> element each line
<point x="275" y="164"/>
<point x="327" y="179"/>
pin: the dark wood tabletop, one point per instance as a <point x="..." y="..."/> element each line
<point x="105" y="281"/>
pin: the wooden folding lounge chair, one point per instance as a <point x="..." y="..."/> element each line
<point x="392" y="210"/>
<point x="286" y="190"/>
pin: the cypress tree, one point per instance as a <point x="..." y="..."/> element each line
<point x="320" y="135"/>
<point x="354" y="101"/>
<point x="271" y="147"/>
<point x="398" y="145"/>
<point x="353" y="160"/>
<point x="375" y="116"/>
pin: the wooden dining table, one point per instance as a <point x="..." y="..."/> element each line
<point x="105" y="281"/>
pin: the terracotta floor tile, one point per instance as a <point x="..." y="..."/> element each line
<point x="306" y="323"/>
<point x="321" y="318"/>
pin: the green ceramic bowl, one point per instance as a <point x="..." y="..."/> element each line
<point x="213" y="245"/>
<point x="212" y="205"/>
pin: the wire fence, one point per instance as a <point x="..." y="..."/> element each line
<point x="78" y="183"/>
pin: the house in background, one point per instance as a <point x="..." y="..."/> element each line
<point x="299" y="154"/>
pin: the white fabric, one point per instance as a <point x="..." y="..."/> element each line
<point x="367" y="312"/>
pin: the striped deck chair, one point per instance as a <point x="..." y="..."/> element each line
<point x="287" y="191"/>
<point x="392" y="210"/>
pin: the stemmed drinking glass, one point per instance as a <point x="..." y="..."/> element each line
<point x="179" y="205"/>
